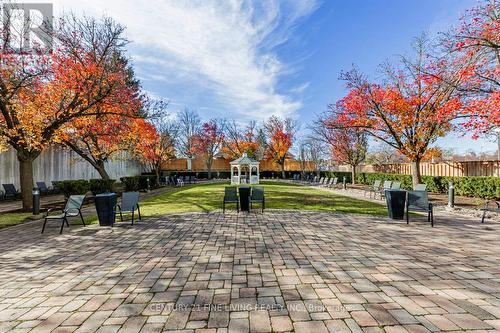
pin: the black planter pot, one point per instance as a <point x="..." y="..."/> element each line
<point x="244" y="192"/>
<point x="105" y="205"/>
<point x="395" y="203"/>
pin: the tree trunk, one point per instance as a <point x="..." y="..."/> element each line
<point x="26" y="179"/>
<point x="353" y="174"/>
<point x="99" y="166"/>
<point x="415" y="172"/>
<point x="283" y="175"/>
<point x="157" y="174"/>
<point x="209" y="168"/>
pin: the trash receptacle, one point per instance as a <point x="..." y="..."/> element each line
<point x="105" y="205"/>
<point x="396" y="203"/>
<point x="244" y="192"/>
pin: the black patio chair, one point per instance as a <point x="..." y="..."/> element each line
<point x="129" y="203"/>
<point x="257" y="196"/>
<point x="492" y="209"/>
<point x="230" y="196"/>
<point x="73" y="208"/>
<point x="42" y="187"/>
<point x="10" y="191"/>
<point x="419" y="201"/>
<point x="373" y="189"/>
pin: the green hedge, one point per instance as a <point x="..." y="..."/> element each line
<point x="139" y="183"/>
<point x="101" y="185"/>
<point x="70" y="187"/>
<point x="478" y="187"/>
<point x="82" y="186"/>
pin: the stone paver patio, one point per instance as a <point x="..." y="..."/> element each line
<point x="277" y="271"/>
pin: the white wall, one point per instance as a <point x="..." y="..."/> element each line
<point x="56" y="163"/>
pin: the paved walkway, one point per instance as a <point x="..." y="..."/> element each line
<point x="277" y="271"/>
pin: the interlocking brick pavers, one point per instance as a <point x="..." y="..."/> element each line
<point x="278" y="271"/>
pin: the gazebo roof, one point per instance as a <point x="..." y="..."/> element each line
<point x="244" y="160"/>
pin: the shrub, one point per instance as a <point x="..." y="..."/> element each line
<point x="130" y="183"/>
<point x="101" y="185"/>
<point x="139" y="183"/>
<point x="472" y="186"/>
<point x="70" y="187"/>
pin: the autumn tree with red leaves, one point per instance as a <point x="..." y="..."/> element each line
<point x="40" y="94"/>
<point x="348" y="145"/>
<point x="280" y="134"/>
<point x="409" y="111"/>
<point x="239" y="140"/>
<point x="209" y="140"/>
<point x="116" y="127"/>
<point x="474" y="49"/>
<point x="155" y="145"/>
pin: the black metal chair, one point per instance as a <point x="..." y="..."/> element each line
<point x="230" y="196"/>
<point x="487" y="208"/>
<point x="419" y="201"/>
<point x="10" y="191"/>
<point x="73" y="208"/>
<point x="257" y="196"/>
<point x="373" y="189"/>
<point x="42" y="187"/>
<point x="129" y="203"/>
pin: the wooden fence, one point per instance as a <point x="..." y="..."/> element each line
<point x="456" y="169"/>
<point x="222" y="165"/>
<point x="453" y="169"/>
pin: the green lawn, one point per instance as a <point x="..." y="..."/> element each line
<point x="9" y="219"/>
<point x="208" y="197"/>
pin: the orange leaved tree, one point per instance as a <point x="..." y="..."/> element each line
<point x="239" y="140"/>
<point x="116" y="127"/>
<point x="208" y="141"/>
<point x="474" y="49"/>
<point x="280" y="133"/>
<point x="158" y="139"/>
<point x="409" y="111"/>
<point x="41" y="94"/>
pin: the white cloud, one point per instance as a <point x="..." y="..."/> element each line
<point x="224" y="47"/>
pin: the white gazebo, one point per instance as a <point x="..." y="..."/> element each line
<point x="244" y="170"/>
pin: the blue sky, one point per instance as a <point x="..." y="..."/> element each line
<point x="250" y="59"/>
